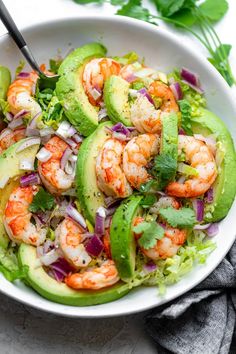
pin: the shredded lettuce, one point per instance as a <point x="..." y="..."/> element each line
<point x="171" y="270"/>
<point x="9" y="265"/>
<point x="128" y="58"/>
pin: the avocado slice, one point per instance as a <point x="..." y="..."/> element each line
<point x="52" y="290"/>
<point x="70" y="91"/>
<point x="89" y="195"/>
<point x="123" y="247"/>
<point x="115" y="94"/>
<point x="9" y="167"/>
<point x="224" y="187"/>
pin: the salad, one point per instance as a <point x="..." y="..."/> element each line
<point x="115" y="178"/>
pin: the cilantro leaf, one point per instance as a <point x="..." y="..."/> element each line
<point x="214" y="10"/>
<point x="151" y="232"/>
<point x="164" y="168"/>
<point x="182" y="218"/>
<point x="185" y="109"/>
<point x="135" y="9"/>
<point x="149" y="186"/>
<point x="42" y="201"/>
<point x="148" y="200"/>
<point x="169" y="8"/>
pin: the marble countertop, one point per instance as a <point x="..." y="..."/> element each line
<point x="26" y="330"/>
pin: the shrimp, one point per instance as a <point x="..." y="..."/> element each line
<point x="161" y="90"/>
<point x="9" y="137"/>
<point x="19" y="95"/>
<point x="110" y="176"/>
<point x="166" y="247"/>
<point x="17" y="217"/>
<point x="144" y="116"/>
<point x="95" y="73"/>
<point x="69" y="236"/>
<point x="136" y="156"/>
<point x="200" y="157"/>
<point x="55" y="179"/>
<point x="94" y="278"/>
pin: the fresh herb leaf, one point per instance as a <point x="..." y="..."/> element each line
<point x="43" y="97"/>
<point x="135" y="9"/>
<point x="185" y="109"/>
<point x="42" y="201"/>
<point x="168" y="7"/>
<point x="214" y="9"/>
<point x="20" y="67"/>
<point x="54" y="113"/>
<point x="185" y="17"/>
<point x="151" y="232"/>
<point x="164" y="169"/>
<point x="148" y="200"/>
<point x="149" y="186"/>
<point x="182" y="218"/>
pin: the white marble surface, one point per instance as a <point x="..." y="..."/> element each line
<point x="25" y="330"/>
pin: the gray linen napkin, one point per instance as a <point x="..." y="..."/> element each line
<point x="203" y="320"/>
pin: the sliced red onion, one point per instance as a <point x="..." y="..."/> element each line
<point x="95" y="93"/>
<point x="209" y="195"/>
<point x="149" y="267"/>
<point x="49" y="257"/>
<point x="45" y="139"/>
<point x="33" y="122"/>
<point x="201" y="227"/>
<point x="70" y="168"/>
<point x="16" y="123"/>
<point x="102" y="114"/>
<point x="181" y="131"/>
<point x="189" y="76"/>
<point x="213" y="229"/>
<point x="198" y="206"/>
<point x="39" y="251"/>
<point x="23" y="75"/>
<point x="44" y="155"/>
<point x="119" y="136"/>
<point x="32" y="132"/>
<point x="76" y="216"/>
<point x="63" y="130"/>
<point x="21" y="114"/>
<point x="177" y="91"/>
<point x="120" y="128"/>
<point x="100" y="221"/>
<point x="26" y="164"/>
<point x="71" y="143"/>
<point x="110" y="201"/>
<point x="30" y="179"/>
<point x="144" y="92"/>
<point x="108" y="222"/>
<point x="94" y="246"/>
<point x="77" y="138"/>
<point x="9" y="116"/>
<point x="197" y="89"/>
<point x="27" y="143"/>
<point x="59" y="277"/>
<point x="63" y="265"/>
<point x="48" y="246"/>
<point x="65" y="157"/>
<point x="71" y="131"/>
<point x="43" y="216"/>
<point x="46" y="131"/>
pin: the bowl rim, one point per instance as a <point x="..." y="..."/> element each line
<point x="192" y="50"/>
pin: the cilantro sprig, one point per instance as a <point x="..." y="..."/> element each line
<point x="151" y="232"/>
<point x="182" y="218"/>
<point x="185" y="14"/>
<point x="42" y="201"/>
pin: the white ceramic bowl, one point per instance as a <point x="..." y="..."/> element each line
<point x="162" y="51"/>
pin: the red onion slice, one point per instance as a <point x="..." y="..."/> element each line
<point x="102" y="114"/>
<point x="197" y="89"/>
<point x="190" y="77"/>
<point x="9" y="116"/>
<point x="16" y="123"/>
<point x="100" y="221"/>
<point x="65" y="157"/>
<point x="44" y="155"/>
<point x="31" y="132"/>
<point x="30" y="179"/>
<point x="149" y="267"/>
<point x="95" y="93"/>
<point x="198" y="206"/>
<point x="23" y="75"/>
<point x="46" y="131"/>
<point x="144" y="92"/>
<point x="21" y="114"/>
<point x="177" y="91"/>
<point x="27" y="143"/>
<point x="76" y="216"/>
<point x="94" y="246"/>
<point x="33" y="122"/>
<point x="50" y="257"/>
<point x="201" y="227"/>
<point x="63" y="129"/>
<point x="77" y="138"/>
<point x="213" y="229"/>
<point x="209" y="196"/>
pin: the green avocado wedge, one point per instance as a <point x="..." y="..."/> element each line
<point x="52" y="290"/>
<point x="224" y="188"/>
<point x="123" y="247"/>
<point x="10" y="172"/>
<point x="116" y="92"/>
<point x="89" y="195"/>
<point x="70" y="91"/>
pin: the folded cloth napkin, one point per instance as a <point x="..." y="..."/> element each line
<point x="203" y="320"/>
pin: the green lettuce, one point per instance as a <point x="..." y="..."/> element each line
<point x="9" y="265"/>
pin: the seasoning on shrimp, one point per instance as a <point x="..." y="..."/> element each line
<point x="9" y="137"/>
